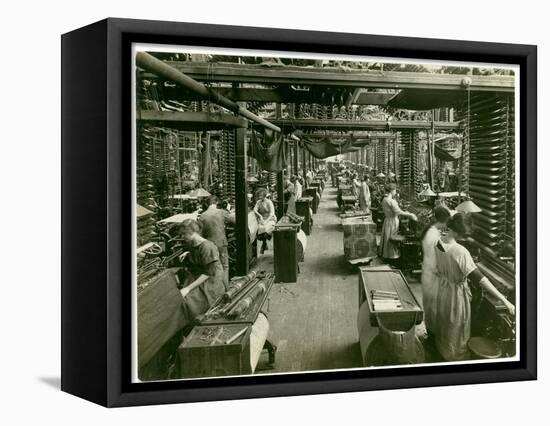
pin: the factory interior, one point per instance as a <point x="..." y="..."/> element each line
<point x="296" y="215"/>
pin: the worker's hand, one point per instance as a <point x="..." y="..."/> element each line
<point x="183" y="256"/>
<point x="511" y="308"/>
<point x="413" y="217"/>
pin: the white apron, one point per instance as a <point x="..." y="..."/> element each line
<point x="452" y="322"/>
<point x="429" y="278"/>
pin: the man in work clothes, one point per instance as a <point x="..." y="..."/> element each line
<point x="213" y="221"/>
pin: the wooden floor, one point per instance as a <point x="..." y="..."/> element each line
<point x="313" y="321"/>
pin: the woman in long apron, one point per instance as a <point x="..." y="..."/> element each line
<point x="203" y="265"/>
<point x="265" y="213"/>
<point x="355" y="184"/>
<point x="454" y="267"/>
<point x="430" y="237"/>
<point x="289" y="194"/>
<point x="388" y="249"/>
<point x="364" y="194"/>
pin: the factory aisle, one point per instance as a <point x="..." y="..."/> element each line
<point x="313" y="322"/>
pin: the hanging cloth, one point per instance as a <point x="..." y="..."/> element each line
<point x="445" y="155"/>
<point x="360" y="143"/>
<point x="324" y="148"/>
<point x="269" y="151"/>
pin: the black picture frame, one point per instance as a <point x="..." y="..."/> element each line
<point x="96" y="207"/>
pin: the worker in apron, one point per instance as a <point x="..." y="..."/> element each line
<point x="298" y="188"/>
<point x="289" y="196"/>
<point x="355" y="185"/>
<point x="389" y="250"/>
<point x="430" y="237"/>
<point x="203" y="266"/>
<point x="265" y="213"/>
<point x="454" y="267"/>
<point x="213" y="221"/>
<point x="364" y="193"/>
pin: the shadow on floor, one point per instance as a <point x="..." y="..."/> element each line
<point x="348" y="356"/>
<point x="327" y="227"/>
<point x="330" y="266"/>
<point x="335" y="209"/>
<point x="54" y="382"/>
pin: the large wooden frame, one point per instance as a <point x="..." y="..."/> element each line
<point x="96" y="207"/>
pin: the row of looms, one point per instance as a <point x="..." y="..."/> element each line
<point x="442" y="135"/>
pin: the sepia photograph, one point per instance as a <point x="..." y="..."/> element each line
<point x="304" y="212"/>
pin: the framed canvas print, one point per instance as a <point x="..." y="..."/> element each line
<point x="254" y="212"/>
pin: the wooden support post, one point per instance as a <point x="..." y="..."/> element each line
<point x="278" y="110"/>
<point x="290" y="155"/>
<point x="429" y="157"/>
<point x="395" y="158"/>
<point x="388" y="151"/>
<point x="304" y="166"/>
<point x="286" y="162"/>
<point x="280" y="195"/>
<point x="296" y="158"/>
<point x="279" y="188"/>
<point x="432" y="149"/>
<point x="241" y="203"/>
<point x="291" y="163"/>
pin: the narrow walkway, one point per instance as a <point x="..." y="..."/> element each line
<point x="313" y="321"/>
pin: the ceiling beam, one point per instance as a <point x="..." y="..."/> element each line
<point x="282" y="94"/>
<point x="292" y="75"/>
<point x="191" y="121"/>
<point x="351" y="125"/>
<point x="361" y="134"/>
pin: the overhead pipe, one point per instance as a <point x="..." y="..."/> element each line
<point x="150" y="63"/>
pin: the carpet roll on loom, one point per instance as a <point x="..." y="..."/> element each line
<point x="258" y="336"/>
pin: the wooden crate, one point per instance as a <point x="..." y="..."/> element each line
<point x="388" y="280"/>
<point x="321" y="181"/>
<point x="345" y="189"/>
<point x="359" y="238"/>
<point x="303" y="208"/>
<point x="348" y="202"/>
<point x="160" y="315"/>
<point x="318" y="185"/>
<point x="312" y="192"/>
<point x="285" y="253"/>
<point x="204" y="356"/>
